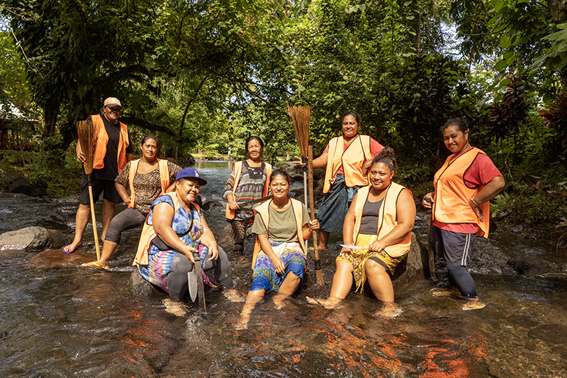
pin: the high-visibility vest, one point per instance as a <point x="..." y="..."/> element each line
<point x="264" y="211"/>
<point x="100" y="151"/>
<point x="163" y="174"/>
<point x="148" y="233"/>
<point x="452" y="195"/>
<point x="230" y="214"/>
<point x="352" y="160"/>
<point x="387" y="218"/>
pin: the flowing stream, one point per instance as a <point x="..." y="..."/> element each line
<point x="60" y="320"/>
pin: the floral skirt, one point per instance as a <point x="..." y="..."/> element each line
<point x="265" y="276"/>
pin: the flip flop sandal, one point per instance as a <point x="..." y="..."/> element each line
<point x="473" y="306"/>
<point x="95" y="265"/>
<point x="69" y="249"/>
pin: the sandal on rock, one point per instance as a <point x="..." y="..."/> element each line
<point x="96" y="265"/>
<point x="69" y="249"/>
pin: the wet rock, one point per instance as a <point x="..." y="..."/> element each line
<point x="489" y="259"/>
<point x="199" y="200"/>
<point x="186" y="161"/>
<point x="140" y="287"/>
<point x="33" y="239"/>
<point x="52" y="372"/>
<point x="73" y="198"/>
<point x="296" y="178"/>
<point x="518" y="229"/>
<point x="534" y="267"/>
<point x="411" y="268"/>
<point x="225" y="240"/>
<point x="213" y="206"/>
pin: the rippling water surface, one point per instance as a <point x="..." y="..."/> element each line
<point x="60" y="320"/>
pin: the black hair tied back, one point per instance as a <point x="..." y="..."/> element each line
<point x="387" y="157"/>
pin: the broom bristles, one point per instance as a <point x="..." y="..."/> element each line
<point x="87" y="138"/>
<point x="300" y="117"/>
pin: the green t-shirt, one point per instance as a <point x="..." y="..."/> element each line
<point x="282" y="224"/>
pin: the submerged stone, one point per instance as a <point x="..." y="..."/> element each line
<point x="33" y="239"/>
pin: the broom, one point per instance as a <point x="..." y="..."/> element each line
<point x="88" y="138"/>
<point x="300" y="117"/>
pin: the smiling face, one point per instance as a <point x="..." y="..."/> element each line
<point x="350" y="126"/>
<point x="455" y="140"/>
<point x="187" y="189"/>
<point x="380" y="176"/>
<point x="279" y="187"/>
<point x="254" y="149"/>
<point x="149" y="149"/>
<point x="112" y="113"/>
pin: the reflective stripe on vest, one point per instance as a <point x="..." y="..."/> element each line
<point x="100" y="151"/>
<point x="387" y="218"/>
<point x="352" y="160"/>
<point x="452" y="195"/>
<point x="148" y="233"/>
<point x="230" y="214"/>
<point x="163" y="175"/>
<point x="263" y="210"/>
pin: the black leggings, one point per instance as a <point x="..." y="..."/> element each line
<point x="180" y="266"/>
<point x="127" y="219"/>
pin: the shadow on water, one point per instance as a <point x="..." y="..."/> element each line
<point x="60" y="320"/>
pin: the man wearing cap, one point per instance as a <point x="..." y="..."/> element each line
<point x="113" y="152"/>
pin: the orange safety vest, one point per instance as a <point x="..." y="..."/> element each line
<point x="452" y="195"/>
<point x="163" y="174"/>
<point x="148" y="233"/>
<point x="230" y="214"/>
<point x="387" y="218"/>
<point x="100" y="151"/>
<point x="263" y="210"/>
<point x="352" y="159"/>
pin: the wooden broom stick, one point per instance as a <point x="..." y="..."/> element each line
<point x="300" y="117"/>
<point x="88" y="138"/>
<point x="318" y="272"/>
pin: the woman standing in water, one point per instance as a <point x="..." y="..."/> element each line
<point x="460" y="209"/>
<point x="282" y="225"/>
<point x="347" y="159"/>
<point x="247" y="182"/>
<point x="147" y="178"/>
<point x="379" y="221"/>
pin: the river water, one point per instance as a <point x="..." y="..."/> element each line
<point x="61" y="320"/>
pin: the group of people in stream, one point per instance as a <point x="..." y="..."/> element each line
<point x="374" y="214"/>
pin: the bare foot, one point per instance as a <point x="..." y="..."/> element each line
<point x="175" y="308"/>
<point x="473" y="304"/>
<point x="97" y="265"/>
<point x="329" y="303"/>
<point x="279" y="301"/>
<point x="389" y="310"/>
<point x="233" y="296"/>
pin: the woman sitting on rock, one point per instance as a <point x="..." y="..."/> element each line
<point x="165" y="253"/>
<point x="147" y="178"/>
<point x="378" y="222"/>
<point x="282" y="225"/>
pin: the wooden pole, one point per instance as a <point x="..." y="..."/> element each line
<point x="318" y="271"/>
<point x="94" y="219"/>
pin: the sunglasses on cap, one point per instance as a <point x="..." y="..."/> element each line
<point x="115" y="108"/>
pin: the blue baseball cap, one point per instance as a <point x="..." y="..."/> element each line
<point x="190" y="173"/>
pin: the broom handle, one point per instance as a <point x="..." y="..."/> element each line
<point x="312" y="202"/>
<point x="305" y="199"/>
<point x="94" y="221"/>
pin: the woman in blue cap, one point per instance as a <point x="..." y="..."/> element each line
<point x="165" y="252"/>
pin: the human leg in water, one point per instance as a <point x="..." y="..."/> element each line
<point x="466" y="286"/>
<point x="342" y="283"/>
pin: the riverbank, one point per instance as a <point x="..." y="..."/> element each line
<point x="535" y="211"/>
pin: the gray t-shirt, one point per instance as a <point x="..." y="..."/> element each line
<point x="282" y="224"/>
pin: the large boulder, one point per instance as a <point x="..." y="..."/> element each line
<point x="213" y="205"/>
<point x="140" y="287"/>
<point x="33" y="239"/>
<point x="411" y="268"/>
<point x="186" y="161"/>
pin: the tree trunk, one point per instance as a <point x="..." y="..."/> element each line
<point x="50" y="113"/>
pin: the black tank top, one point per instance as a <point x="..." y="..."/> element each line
<point x="369" y="220"/>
